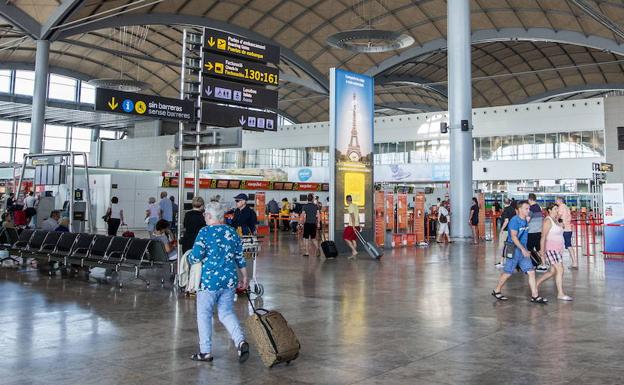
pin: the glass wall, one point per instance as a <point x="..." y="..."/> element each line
<point x="15" y="139"/>
<point x="562" y="145"/>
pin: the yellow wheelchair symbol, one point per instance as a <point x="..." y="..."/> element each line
<point x="140" y="107"/>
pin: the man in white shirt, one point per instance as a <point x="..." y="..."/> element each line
<point x="51" y="223"/>
<point x="30" y="208"/>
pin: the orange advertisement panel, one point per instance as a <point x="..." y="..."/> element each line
<point x="260" y="206"/>
<point x="257" y="185"/>
<point x="380" y="221"/>
<point x="389" y="210"/>
<point x="481" y="200"/>
<point x="419" y="217"/>
<point x="402" y="211"/>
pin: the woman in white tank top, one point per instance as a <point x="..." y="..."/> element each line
<point x="552" y="245"/>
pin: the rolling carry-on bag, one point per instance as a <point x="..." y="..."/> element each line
<point x="372" y="250"/>
<point x="329" y="248"/>
<point x="275" y="341"/>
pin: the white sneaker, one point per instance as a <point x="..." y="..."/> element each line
<point x="499" y="265"/>
<point x="542" y="269"/>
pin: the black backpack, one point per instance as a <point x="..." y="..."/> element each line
<point x="443" y="218"/>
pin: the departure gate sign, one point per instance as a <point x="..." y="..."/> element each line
<point x="241" y="70"/>
<point x="225" y="43"/>
<point x="152" y="106"/>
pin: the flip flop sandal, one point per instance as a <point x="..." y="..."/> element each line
<point x="539" y="300"/>
<point x="499" y="296"/>
<point x="205" y="357"/>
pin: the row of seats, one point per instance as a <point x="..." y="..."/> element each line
<point x="86" y="250"/>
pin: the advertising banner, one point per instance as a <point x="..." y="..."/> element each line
<point x="412" y="172"/>
<point x="351" y="149"/>
<point x="380" y="220"/>
<point x="613" y="205"/>
<point x="260" y="206"/>
<point x="389" y="208"/>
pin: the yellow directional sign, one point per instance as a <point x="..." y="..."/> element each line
<point x="140" y="107"/>
<point x="237" y="69"/>
<point x="239" y="46"/>
<point x="112" y="104"/>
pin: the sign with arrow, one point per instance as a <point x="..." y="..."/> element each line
<point x="240" y="70"/>
<point x="224" y="116"/>
<point x="238" y="46"/>
<point x="131" y="103"/>
<point x="236" y="93"/>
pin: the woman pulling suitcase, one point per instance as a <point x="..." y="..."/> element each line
<point x="220" y="251"/>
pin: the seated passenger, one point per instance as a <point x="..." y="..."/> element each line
<point x="63" y="226"/>
<point x="51" y="223"/>
<point x="164" y="235"/>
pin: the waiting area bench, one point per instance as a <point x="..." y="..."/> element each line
<point x="66" y="251"/>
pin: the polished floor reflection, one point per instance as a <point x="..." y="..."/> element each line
<point x="421" y="316"/>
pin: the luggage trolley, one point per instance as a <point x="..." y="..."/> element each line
<point x="251" y="246"/>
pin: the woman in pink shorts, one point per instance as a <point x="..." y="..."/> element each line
<point x="552" y="245"/>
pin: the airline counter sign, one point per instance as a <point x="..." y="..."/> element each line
<point x="225" y="43"/>
<point x="152" y="106"/>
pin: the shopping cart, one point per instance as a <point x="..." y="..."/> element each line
<point x="251" y="246"/>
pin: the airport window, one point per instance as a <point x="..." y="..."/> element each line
<point x="24" y="82"/>
<point x="62" y="88"/>
<point x="6" y="140"/>
<point x="5" y="81"/>
<point x="87" y="93"/>
<point x="55" y="138"/>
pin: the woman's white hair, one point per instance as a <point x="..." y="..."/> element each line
<point x="215" y="211"/>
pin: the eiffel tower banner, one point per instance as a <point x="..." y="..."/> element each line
<point x="351" y="153"/>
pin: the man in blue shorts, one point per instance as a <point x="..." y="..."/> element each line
<point x="518" y="230"/>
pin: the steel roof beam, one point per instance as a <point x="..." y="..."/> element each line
<point x="417" y="81"/>
<point x="504" y="34"/>
<point x="599" y="17"/>
<point x="573" y="90"/>
<point x="199" y="21"/>
<point x="63" y="12"/>
<point x="20" y="19"/>
<point x="121" y="53"/>
<point x="402" y="106"/>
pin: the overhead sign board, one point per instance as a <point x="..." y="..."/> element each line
<point x="236" y="93"/>
<point x="241" y="70"/>
<point x="152" y="106"/>
<point x="224" y="116"/>
<point x="226" y="43"/>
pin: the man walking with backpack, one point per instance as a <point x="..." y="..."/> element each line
<point x="443" y="227"/>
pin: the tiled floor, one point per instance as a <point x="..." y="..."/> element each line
<point x="421" y="316"/>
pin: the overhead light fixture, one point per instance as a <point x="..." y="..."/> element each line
<point x="370" y="40"/>
<point x="127" y="85"/>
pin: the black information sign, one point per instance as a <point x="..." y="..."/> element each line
<point x="224" y="116"/>
<point x="241" y="70"/>
<point x="236" y="93"/>
<point x="143" y="105"/>
<point x="225" y="43"/>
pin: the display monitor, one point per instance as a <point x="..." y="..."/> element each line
<point x="234" y="184"/>
<point x="222" y="183"/>
<point x="278" y="185"/>
<point x="288" y="185"/>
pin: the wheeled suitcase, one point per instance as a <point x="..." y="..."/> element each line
<point x="329" y="249"/>
<point x="372" y="250"/>
<point x="275" y="341"/>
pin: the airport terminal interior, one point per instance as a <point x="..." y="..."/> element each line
<point x="311" y="192"/>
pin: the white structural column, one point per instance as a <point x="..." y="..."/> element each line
<point x="460" y="108"/>
<point x="39" y="96"/>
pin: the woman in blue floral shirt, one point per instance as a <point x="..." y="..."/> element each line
<point x="220" y="251"/>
